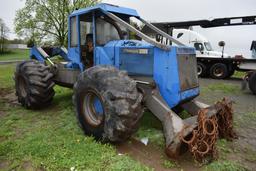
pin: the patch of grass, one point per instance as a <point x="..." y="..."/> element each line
<point x="16" y="54"/>
<point x="250" y="116"/>
<point x="224" y="166"/>
<point x="51" y="138"/>
<point x="222" y="146"/>
<point x="6" y="76"/>
<point x="246" y="119"/>
<point x="221" y="87"/>
<point x="169" y="164"/>
<point x="239" y="74"/>
<point x="184" y="114"/>
<point x="151" y="128"/>
<point x="251" y="157"/>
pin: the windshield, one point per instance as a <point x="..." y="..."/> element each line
<point x="142" y="35"/>
<point x="208" y="46"/>
<point x="106" y="32"/>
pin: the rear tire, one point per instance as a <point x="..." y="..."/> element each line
<point x="34" y="84"/>
<point x="219" y="71"/>
<point x="201" y="69"/>
<point x="252" y="83"/>
<point x="230" y="73"/>
<point x="117" y="117"/>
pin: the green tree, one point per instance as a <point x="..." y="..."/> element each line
<point x="47" y="19"/>
<point x="3" y="35"/>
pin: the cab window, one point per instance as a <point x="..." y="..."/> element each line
<point x="85" y="30"/>
<point x="105" y="32"/>
<point x="199" y="46"/>
<point x="208" y="46"/>
<point x="73" y="31"/>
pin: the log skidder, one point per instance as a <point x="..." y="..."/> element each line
<point x="108" y="96"/>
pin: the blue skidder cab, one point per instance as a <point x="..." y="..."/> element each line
<point x="116" y="71"/>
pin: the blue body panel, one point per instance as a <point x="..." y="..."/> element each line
<point x="136" y="57"/>
<point x="106" y="8"/>
<point x="34" y="54"/>
<point x="166" y="76"/>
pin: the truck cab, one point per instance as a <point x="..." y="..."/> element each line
<point x="199" y="42"/>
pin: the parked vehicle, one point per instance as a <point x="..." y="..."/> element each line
<point x="114" y="78"/>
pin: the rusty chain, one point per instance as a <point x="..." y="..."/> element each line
<point x="202" y="141"/>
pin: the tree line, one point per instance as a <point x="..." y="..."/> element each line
<point x="46" y="21"/>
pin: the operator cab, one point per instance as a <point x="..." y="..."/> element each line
<point x="91" y="30"/>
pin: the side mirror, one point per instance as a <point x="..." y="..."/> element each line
<point x="221" y="43"/>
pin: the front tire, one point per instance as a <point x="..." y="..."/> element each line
<point x="201" y="69"/>
<point x="108" y="104"/>
<point x="34" y="84"/>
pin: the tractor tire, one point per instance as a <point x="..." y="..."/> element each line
<point x="219" y="71"/>
<point x="34" y="84"/>
<point x="108" y="104"/>
<point x="252" y="83"/>
<point x="201" y="69"/>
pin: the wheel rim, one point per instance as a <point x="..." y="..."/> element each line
<point x="22" y="86"/>
<point x="199" y="70"/>
<point x="218" y="72"/>
<point x="92" y="108"/>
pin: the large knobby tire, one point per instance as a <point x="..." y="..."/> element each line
<point x="219" y="71"/>
<point x="108" y="104"/>
<point x="202" y="69"/>
<point x="34" y="84"/>
<point x="252" y="83"/>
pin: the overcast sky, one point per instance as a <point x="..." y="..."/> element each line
<point x="238" y="38"/>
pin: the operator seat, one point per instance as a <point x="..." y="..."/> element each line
<point x="87" y="51"/>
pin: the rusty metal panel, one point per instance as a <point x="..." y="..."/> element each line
<point x="187" y="71"/>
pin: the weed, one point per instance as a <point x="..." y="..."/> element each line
<point x="239" y="74"/>
<point x="224" y="166"/>
<point x="250" y="116"/>
<point x="169" y="164"/>
<point x="222" y="146"/>
<point x="16" y="54"/>
<point x="151" y="128"/>
<point x="184" y="114"/>
<point x="221" y="87"/>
